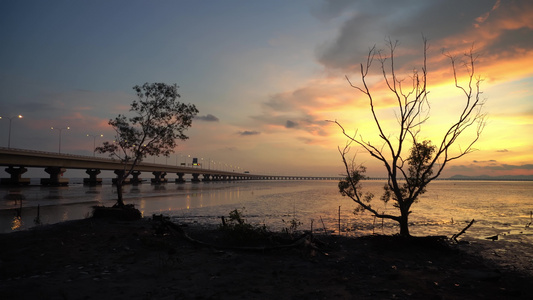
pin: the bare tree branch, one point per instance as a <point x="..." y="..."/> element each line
<point x="423" y="162"/>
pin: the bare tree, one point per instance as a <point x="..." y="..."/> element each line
<point x="411" y="164"/>
<point x="160" y="120"/>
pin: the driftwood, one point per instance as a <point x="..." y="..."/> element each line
<point x="306" y="241"/>
<point x="455" y="236"/>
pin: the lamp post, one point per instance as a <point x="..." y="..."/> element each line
<point x="94" y="142"/>
<point x="60" y="131"/>
<point x="9" y="134"/>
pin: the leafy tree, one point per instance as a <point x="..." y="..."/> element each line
<point x="411" y="163"/>
<point x="159" y="121"/>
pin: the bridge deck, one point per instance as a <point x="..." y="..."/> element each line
<point x="20" y="158"/>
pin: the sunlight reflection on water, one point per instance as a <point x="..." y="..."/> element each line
<point x="502" y="208"/>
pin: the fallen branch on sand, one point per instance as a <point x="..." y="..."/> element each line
<point x="455" y="236"/>
<point x="306" y="241"/>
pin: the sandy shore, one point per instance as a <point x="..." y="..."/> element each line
<point x="102" y="259"/>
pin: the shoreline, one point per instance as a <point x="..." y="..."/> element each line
<point x="95" y="258"/>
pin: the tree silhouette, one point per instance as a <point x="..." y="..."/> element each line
<point x="159" y="121"/>
<point x="411" y="164"/>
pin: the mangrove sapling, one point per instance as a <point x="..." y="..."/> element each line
<point x="294" y="223"/>
<point x="324" y="226"/>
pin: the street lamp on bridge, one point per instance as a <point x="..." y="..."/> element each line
<point x="94" y="142"/>
<point x="60" y="131"/>
<point x="9" y="134"/>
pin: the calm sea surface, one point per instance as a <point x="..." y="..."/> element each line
<point x="503" y="208"/>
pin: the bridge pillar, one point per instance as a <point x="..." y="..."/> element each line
<point x="159" y="177"/>
<point x="16" y="176"/>
<point x="135" y="177"/>
<point x="92" y="180"/>
<point x="195" y="177"/>
<point x="120" y="173"/>
<point x="206" y="177"/>
<point x="180" y="178"/>
<point x="55" y="179"/>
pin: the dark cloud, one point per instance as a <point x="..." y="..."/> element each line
<point x="506" y="167"/>
<point x="291" y="124"/>
<point x="509" y="24"/>
<point x="207" y="118"/>
<point x="307" y="141"/>
<point x="371" y="22"/>
<point x="491" y="167"/>
<point x="298" y="109"/>
<point x="302" y="122"/>
<point x="484" y="161"/>
<point x="502" y="150"/>
<point x="248" y="132"/>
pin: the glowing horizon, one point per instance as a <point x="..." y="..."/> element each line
<point x="265" y="77"/>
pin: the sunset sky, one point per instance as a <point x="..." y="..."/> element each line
<point x="265" y="75"/>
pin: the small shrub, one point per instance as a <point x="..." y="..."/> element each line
<point x="293" y="226"/>
<point x="239" y="231"/>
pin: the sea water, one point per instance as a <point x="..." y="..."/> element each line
<point x="502" y="208"/>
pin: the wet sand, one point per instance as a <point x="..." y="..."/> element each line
<point x="103" y="259"/>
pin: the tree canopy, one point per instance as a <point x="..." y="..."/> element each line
<point x="158" y="121"/>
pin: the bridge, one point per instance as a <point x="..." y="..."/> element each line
<point x="55" y="164"/>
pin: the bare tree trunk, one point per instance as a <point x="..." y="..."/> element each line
<point x="404" y="224"/>
<point x="120" y="201"/>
